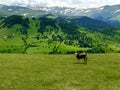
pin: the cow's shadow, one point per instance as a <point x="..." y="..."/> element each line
<point x="79" y="63"/>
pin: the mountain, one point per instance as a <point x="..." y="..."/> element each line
<point x="90" y="23"/>
<point x="19" y="34"/>
<point x="80" y="20"/>
<point x="107" y="11"/>
<point x="108" y="14"/>
<point x="59" y="29"/>
<point x="19" y="10"/>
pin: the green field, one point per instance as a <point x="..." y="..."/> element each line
<point x="59" y="72"/>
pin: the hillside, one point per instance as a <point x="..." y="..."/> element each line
<point x="20" y="34"/>
<point x="90" y="23"/>
<point x="83" y="21"/>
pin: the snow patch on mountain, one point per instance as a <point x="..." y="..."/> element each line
<point x="87" y="11"/>
<point x="117" y="11"/>
<point x="101" y="8"/>
<point x="10" y="9"/>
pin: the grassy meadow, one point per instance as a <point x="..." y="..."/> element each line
<point x="59" y="72"/>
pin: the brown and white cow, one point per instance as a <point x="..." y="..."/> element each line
<point x="81" y="56"/>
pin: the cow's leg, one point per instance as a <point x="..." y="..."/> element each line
<point x="78" y="60"/>
<point x="85" y="60"/>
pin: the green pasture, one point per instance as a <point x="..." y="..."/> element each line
<point x="59" y="72"/>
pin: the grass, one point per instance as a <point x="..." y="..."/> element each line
<point x="59" y="72"/>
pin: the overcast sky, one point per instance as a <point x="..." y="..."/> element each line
<point x="65" y="3"/>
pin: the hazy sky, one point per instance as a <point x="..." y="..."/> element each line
<point x="65" y="3"/>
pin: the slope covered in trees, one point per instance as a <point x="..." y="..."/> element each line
<point x="20" y="34"/>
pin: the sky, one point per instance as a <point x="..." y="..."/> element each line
<point x="63" y="3"/>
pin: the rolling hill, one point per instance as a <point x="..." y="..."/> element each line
<point x="20" y="34"/>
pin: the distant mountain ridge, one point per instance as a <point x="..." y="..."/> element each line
<point x="83" y="21"/>
<point x="90" y="23"/>
<point x="108" y="14"/>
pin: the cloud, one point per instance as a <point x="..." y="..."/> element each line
<point x="65" y="3"/>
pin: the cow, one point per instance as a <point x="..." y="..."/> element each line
<point x="81" y="56"/>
